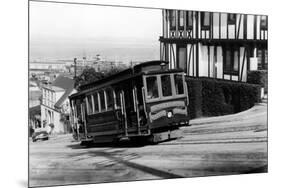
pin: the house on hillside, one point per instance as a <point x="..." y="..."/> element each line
<point x="35" y="94"/>
<point x="55" y="106"/>
<point x="34" y="101"/>
<point x="214" y="44"/>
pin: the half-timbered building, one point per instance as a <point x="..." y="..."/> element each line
<point x="214" y="44"/>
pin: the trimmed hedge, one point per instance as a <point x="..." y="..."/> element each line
<point x="195" y="98"/>
<point x="258" y="77"/>
<point x="214" y="97"/>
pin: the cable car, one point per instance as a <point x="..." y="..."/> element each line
<point x="147" y="101"/>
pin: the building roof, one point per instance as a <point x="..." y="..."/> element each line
<point x="47" y="62"/>
<point x="55" y="88"/>
<point x="67" y="84"/>
<point x="63" y="82"/>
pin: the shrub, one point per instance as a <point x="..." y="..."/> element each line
<point x="258" y="77"/>
<point x="217" y="98"/>
<point x="52" y="125"/>
<point x="195" y="97"/>
<point x="213" y="97"/>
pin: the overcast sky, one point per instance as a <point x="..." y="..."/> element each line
<point x="66" y="30"/>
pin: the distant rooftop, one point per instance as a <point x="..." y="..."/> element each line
<point x="66" y="83"/>
<point x="47" y="62"/>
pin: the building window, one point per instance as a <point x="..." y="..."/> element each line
<point x="189" y="20"/>
<point x="180" y="20"/>
<point x="262" y="59"/>
<point x="230" y="61"/>
<point x="263" y="23"/>
<point x="181" y="57"/>
<point x="172" y="16"/>
<point x="205" y="20"/>
<point x="44" y="97"/>
<point x="231" y="19"/>
<point x="54" y="97"/>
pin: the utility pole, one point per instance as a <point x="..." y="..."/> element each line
<point x="75" y="63"/>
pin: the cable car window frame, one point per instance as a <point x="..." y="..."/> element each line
<point x="116" y="96"/>
<point x="108" y="105"/>
<point x="164" y="89"/>
<point x="161" y="97"/>
<point x="182" y="84"/>
<point x="102" y="103"/>
<point x="146" y="88"/>
<point x="97" y="102"/>
<point x="90" y="110"/>
<point x="96" y="110"/>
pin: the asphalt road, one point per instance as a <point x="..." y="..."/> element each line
<point x="224" y="145"/>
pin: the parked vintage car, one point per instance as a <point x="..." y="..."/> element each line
<point x="40" y="135"/>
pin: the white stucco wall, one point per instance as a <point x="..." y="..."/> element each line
<point x="55" y="119"/>
<point x="219" y="63"/>
<point x="203" y="60"/>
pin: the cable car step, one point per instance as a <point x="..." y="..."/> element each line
<point x="158" y="137"/>
<point x="125" y="138"/>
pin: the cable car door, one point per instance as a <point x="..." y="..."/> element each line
<point x="127" y="115"/>
<point x="121" y="112"/>
<point x="83" y="123"/>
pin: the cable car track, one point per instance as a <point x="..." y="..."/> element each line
<point x="217" y="141"/>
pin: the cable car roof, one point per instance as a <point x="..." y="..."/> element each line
<point x="149" y="67"/>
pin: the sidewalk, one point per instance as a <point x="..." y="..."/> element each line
<point x="257" y="110"/>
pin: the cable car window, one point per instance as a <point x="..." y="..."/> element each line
<point x="109" y="98"/>
<point x="89" y="105"/>
<point x="178" y="84"/>
<point x="96" y="102"/>
<point x="166" y="85"/>
<point x="152" y="87"/>
<point x="117" y="97"/>
<point x="102" y="100"/>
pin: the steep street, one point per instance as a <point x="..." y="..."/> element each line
<point x="231" y="144"/>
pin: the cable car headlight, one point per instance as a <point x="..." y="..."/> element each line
<point x="169" y="114"/>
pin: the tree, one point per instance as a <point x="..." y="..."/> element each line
<point x="112" y="71"/>
<point x="89" y="74"/>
